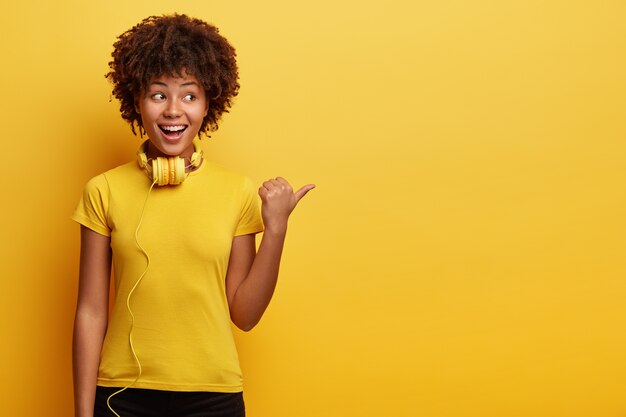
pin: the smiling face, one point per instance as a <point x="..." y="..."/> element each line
<point x="172" y="110"/>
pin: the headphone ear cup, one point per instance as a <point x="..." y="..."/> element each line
<point x="171" y="171"/>
<point x="177" y="173"/>
<point x="167" y="171"/>
<point x="196" y="157"/>
<point x="142" y="158"/>
<point x="160" y="168"/>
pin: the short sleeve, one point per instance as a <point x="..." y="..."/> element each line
<point x="93" y="206"/>
<point x="250" y="220"/>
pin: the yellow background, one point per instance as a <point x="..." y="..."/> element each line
<point x="463" y="254"/>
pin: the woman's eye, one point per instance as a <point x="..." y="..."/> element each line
<point x="190" y="97"/>
<point x="158" y="96"/>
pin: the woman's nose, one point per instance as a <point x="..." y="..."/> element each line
<point x="173" y="109"/>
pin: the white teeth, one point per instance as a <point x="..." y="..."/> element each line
<point x="173" y="128"/>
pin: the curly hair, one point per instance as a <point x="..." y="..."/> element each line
<point x="170" y="45"/>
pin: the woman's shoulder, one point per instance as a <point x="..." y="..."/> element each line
<point x="119" y="174"/>
<point x="128" y="169"/>
<point x="224" y="174"/>
<point x="125" y="173"/>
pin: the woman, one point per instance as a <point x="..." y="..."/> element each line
<point x="180" y="234"/>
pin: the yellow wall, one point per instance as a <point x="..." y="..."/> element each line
<point x="464" y="252"/>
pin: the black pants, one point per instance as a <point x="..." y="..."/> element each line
<point x="136" y="402"/>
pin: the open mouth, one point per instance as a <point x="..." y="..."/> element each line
<point x="173" y="131"/>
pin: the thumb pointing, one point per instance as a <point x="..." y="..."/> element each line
<point x="302" y="191"/>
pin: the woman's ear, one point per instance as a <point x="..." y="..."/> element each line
<point x="137" y="108"/>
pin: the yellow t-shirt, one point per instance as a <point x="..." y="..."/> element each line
<point x="182" y="332"/>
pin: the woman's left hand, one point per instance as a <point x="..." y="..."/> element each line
<point x="279" y="200"/>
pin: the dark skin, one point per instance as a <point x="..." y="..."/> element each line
<point x="172" y="101"/>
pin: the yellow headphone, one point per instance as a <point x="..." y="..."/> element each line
<point x="168" y="171"/>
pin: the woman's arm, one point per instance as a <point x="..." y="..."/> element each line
<point x="251" y="277"/>
<point x="91" y="318"/>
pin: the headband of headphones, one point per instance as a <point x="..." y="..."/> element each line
<point x="168" y="171"/>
